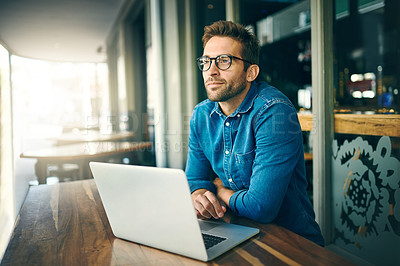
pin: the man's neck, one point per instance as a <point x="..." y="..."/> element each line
<point x="230" y="106"/>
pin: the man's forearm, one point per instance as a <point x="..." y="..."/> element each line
<point x="223" y="193"/>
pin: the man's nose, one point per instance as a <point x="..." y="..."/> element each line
<point x="214" y="70"/>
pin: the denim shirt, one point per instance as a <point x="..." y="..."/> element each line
<point x="257" y="151"/>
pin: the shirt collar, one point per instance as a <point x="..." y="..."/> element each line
<point x="216" y="110"/>
<point x="244" y="106"/>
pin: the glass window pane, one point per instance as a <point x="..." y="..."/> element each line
<point x="50" y="98"/>
<point x="366" y="147"/>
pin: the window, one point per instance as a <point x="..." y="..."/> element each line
<point x="53" y="97"/>
<point x="7" y="209"/>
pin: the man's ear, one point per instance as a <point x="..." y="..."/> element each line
<point x="252" y="73"/>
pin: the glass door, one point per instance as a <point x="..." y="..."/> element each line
<point x="366" y="145"/>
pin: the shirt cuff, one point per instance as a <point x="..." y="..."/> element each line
<point x="232" y="202"/>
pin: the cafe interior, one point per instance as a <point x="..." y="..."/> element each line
<point x="116" y="81"/>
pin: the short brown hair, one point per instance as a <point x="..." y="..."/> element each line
<point x="249" y="42"/>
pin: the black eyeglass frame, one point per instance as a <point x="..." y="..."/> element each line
<point x="215" y="60"/>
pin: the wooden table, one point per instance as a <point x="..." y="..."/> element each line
<point x="91" y="136"/>
<point x="82" y="154"/>
<point x="65" y="224"/>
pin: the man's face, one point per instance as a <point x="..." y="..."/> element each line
<point x="223" y="85"/>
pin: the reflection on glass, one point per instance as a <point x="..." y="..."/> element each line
<point x="366" y="61"/>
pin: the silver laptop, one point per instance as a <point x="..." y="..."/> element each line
<point x="153" y="206"/>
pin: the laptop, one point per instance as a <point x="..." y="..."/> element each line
<point x="153" y="207"/>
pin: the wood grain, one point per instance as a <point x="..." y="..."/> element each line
<point x="360" y="124"/>
<point x="65" y="224"/>
<point x="374" y="125"/>
<point x="306" y="121"/>
<point x="308" y="156"/>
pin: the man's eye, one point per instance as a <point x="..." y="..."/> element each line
<point x="204" y="61"/>
<point x="224" y="60"/>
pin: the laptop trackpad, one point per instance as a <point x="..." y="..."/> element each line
<point x="208" y="225"/>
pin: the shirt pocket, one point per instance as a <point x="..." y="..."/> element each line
<point x="244" y="163"/>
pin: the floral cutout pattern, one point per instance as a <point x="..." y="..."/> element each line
<point x="366" y="197"/>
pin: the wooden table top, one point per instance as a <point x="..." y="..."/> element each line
<point x="91" y="135"/>
<point x="65" y="224"/>
<point x="86" y="150"/>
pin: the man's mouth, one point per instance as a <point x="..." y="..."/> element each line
<point x="214" y="83"/>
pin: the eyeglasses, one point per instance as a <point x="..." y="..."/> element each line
<point x="223" y="62"/>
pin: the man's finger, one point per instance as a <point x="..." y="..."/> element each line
<point x="201" y="210"/>
<point x="207" y="205"/>
<point x="214" y="206"/>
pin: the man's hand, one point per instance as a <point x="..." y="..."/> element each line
<point x="207" y="204"/>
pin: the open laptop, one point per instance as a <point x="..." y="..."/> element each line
<point x="153" y="206"/>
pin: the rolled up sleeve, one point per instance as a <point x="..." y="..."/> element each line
<point x="198" y="168"/>
<point x="278" y="148"/>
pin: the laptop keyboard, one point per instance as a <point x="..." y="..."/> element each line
<point x="210" y="240"/>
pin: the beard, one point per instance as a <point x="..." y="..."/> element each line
<point x="225" y="91"/>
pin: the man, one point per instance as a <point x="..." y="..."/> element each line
<point x="247" y="133"/>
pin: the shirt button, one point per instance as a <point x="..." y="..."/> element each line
<point x="226" y="152"/>
<point x="230" y="179"/>
<point x="227" y="124"/>
<point x="238" y="115"/>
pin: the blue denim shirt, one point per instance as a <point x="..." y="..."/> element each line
<point x="257" y="151"/>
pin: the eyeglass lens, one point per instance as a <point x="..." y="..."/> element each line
<point x="223" y="62"/>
